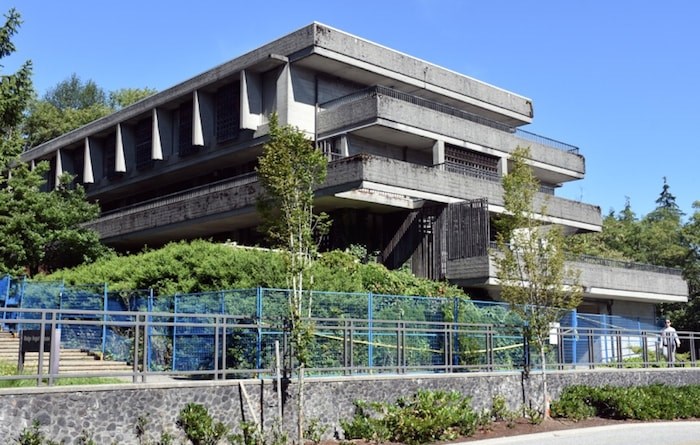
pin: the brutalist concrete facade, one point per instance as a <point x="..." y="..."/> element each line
<point x="110" y="413"/>
<point x="402" y="135"/>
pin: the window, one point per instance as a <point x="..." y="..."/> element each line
<point x="227" y="105"/>
<point x="109" y="156"/>
<point x="185" y="146"/>
<point x="472" y="163"/>
<point x="144" y="144"/>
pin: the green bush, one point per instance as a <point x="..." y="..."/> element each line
<point x="34" y="436"/>
<point x="199" y="427"/>
<point x="200" y="266"/>
<point x="639" y="403"/>
<point x="427" y="416"/>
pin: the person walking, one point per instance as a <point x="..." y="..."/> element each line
<point x="670" y="341"/>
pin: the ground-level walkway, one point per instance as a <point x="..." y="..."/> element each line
<point x="654" y="433"/>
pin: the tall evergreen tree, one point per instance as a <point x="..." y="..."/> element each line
<point x="667" y="201"/>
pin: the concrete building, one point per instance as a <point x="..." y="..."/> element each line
<point x="416" y="155"/>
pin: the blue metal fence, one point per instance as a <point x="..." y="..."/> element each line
<point x="190" y="342"/>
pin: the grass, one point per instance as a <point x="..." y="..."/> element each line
<point x="7" y="369"/>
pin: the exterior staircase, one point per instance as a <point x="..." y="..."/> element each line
<point x="71" y="360"/>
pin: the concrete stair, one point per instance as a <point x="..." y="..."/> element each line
<point x="71" y="360"/>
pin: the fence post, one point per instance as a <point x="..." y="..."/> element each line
<point x="693" y="351"/>
<point x="216" y="347"/>
<point x="174" y="360"/>
<point x="105" y="307"/>
<point x="149" y="334"/>
<point x="258" y="316"/>
<point x="574" y="337"/>
<point x="7" y="279"/>
<point x="144" y="361"/>
<point x="591" y="349"/>
<point x="645" y="350"/>
<point x="489" y="345"/>
<point x="370" y="334"/>
<point x="135" y="370"/>
<point x="618" y="346"/>
<point x="399" y="348"/>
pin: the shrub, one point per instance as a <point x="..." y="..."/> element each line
<point x="639" y="403"/>
<point x="427" y="416"/>
<point x="199" y="427"/>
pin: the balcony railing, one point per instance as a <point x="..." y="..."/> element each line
<point x="379" y="90"/>
<point x="588" y="259"/>
<point x="202" y="190"/>
<point x="622" y="264"/>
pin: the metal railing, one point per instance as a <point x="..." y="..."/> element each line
<point x="626" y="264"/>
<point x="623" y="264"/>
<point x="194" y="192"/>
<point x="236" y="347"/>
<point x="379" y="90"/>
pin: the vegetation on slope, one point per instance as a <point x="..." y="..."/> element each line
<point x="199" y="266"/>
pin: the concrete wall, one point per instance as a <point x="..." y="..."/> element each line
<point x="619" y="278"/>
<point x="426" y="75"/>
<point x="224" y="199"/>
<point x="373" y="109"/>
<point x="110" y="412"/>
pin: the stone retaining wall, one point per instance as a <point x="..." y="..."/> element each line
<point x="109" y="413"/>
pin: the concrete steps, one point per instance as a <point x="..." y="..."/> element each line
<point x="71" y="360"/>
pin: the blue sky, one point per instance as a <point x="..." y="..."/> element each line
<point x="615" y="78"/>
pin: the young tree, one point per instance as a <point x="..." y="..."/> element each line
<point x="289" y="170"/>
<point x="530" y="259"/>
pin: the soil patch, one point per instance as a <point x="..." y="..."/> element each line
<point x="516" y="428"/>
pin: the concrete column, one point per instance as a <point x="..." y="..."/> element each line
<point x="344" y="149"/>
<point x="197" y="129"/>
<point x="88" y="173"/>
<point x="284" y="94"/>
<point x="119" y="158"/>
<point x="503" y="166"/>
<point x="156" y="142"/>
<point x="251" y="100"/>
<point x="59" y="168"/>
<point x="439" y="152"/>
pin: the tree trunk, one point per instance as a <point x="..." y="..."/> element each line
<point x="545" y="396"/>
<point x="300" y="406"/>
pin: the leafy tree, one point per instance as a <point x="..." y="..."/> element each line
<point x="124" y="97"/>
<point x="71" y="104"/>
<point x="687" y="316"/>
<point x="289" y="170"/>
<point x="530" y="259"/>
<point x="15" y="93"/>
<point x="37" y="230"/>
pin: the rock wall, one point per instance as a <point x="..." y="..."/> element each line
<point x="109" y="413"/>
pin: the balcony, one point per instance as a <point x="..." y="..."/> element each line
<point x="363" y="111"/>
<point x="601" y="278"/>
<point x="230" y="204"/>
